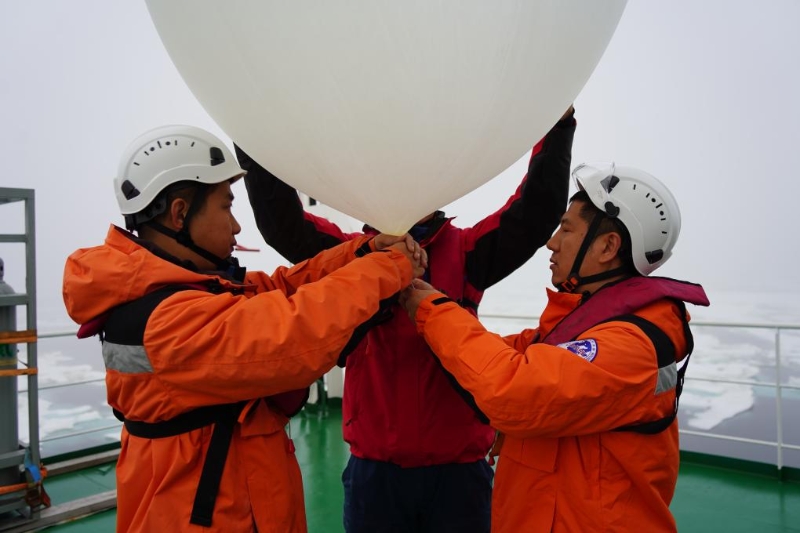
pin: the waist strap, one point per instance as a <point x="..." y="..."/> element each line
<point x="224" y="418"/>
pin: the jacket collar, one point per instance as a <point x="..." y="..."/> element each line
<point x="559" y="305"/>
<point x="235" y="274"/>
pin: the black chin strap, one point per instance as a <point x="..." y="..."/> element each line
<point x="229" y="265"/>
<point x="183" y="238"/>
<point x="574" y="280"/>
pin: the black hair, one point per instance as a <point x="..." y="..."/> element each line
<point x="189" y="191"/>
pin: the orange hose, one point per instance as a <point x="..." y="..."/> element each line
<point x="8" y="489"/>
<point x="19" y="372"/>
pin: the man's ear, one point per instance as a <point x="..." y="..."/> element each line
<point x="177" y="213"/>
<point x="611" y="244"/>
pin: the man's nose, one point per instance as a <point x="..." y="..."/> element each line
<point x="551" y="243"/>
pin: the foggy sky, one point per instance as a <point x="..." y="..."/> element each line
<point x="704" y="95"/>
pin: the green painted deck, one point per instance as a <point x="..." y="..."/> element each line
<point x="708" y="498"/>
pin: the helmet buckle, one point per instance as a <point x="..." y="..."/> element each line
<point x="570" y="284"/>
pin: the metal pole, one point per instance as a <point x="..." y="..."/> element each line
<point x="779" y="396"/>
<point x="33" y="362"/>
<point x="9" y="433"/>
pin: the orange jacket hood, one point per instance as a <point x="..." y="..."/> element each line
<point x="120" y="270"/>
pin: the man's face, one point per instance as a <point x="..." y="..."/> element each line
<point x="566" y="242"/>
<point x="214" y="227"/>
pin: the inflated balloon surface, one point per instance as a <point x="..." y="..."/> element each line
<point x="386" y="109"/>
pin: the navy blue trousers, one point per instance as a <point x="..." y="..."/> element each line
<point x="385" y="498"/>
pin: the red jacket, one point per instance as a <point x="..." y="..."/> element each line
<point x="399" y="406"/>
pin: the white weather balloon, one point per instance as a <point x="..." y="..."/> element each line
<point x="386" y="109"/>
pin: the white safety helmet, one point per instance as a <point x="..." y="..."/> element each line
<point x="642" y="203"/>
<point x="166" y="155"/>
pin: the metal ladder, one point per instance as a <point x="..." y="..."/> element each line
<point x="24" y="505"/>
<point x="16" y="494"/>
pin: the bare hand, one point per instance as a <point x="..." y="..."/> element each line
<point x="412" y="295"/>
<point x="416" y="255"/>
<point x="570" y="110"/>
<point x="420" y="256"/>
<point x="384" y="240"/>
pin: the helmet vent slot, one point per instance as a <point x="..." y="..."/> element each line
<point x="609" y="183"/>
<point x="216" y="155"/>
<point x="654" y="256"/>
<point x="129" y="190"/>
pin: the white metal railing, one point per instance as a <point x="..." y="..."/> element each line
<point x="779" y="387"/>
<point x="53" y="335"/>
<point x="779" y="443"/>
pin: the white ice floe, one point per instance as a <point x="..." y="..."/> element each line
<point x="56" y="368"/>
<point x="54" y="420"/>
<point x="707" y="405"/>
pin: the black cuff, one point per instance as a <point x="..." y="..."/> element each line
<point x="364" y="249"/>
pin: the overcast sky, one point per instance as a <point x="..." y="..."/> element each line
<point x="703" y="94"/>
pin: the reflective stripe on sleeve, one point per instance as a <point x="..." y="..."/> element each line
<point x="667" y="378"/>
<point x="126" y="358"/>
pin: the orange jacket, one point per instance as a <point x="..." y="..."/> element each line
<point x="561" y="466"/>
<point x="202" y="349"/>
